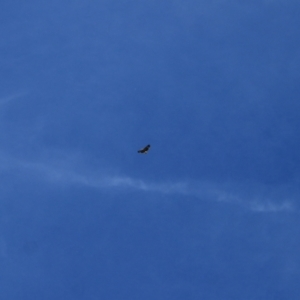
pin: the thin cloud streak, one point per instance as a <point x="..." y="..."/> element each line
<point x="204" y="190"/>
<point x="5" y="100"/>
<point x="271" y="207"/>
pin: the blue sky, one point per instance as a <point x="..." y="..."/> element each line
<point x="212" y="212"/>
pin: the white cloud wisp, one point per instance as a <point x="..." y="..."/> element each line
<point x="229" y="193"/>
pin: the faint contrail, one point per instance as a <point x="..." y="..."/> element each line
<point x="268" y="206"/>
<point x="10" y="98"/>
<point x="204" y="190"/>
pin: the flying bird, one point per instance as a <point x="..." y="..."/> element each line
<point x="144" y="150"/>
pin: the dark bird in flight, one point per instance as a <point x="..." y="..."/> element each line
<point x="144" y="150"/>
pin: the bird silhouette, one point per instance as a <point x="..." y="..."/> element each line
<point x="144" y="150"/>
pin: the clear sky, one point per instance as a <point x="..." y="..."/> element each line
<point x="211" y="212"/>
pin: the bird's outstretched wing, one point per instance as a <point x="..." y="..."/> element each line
<point x="144" y="150"/>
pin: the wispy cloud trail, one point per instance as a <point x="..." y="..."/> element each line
<point x="5" y="100"/>
<point x="207" y="191"/>
<point x="268" y="206"/>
